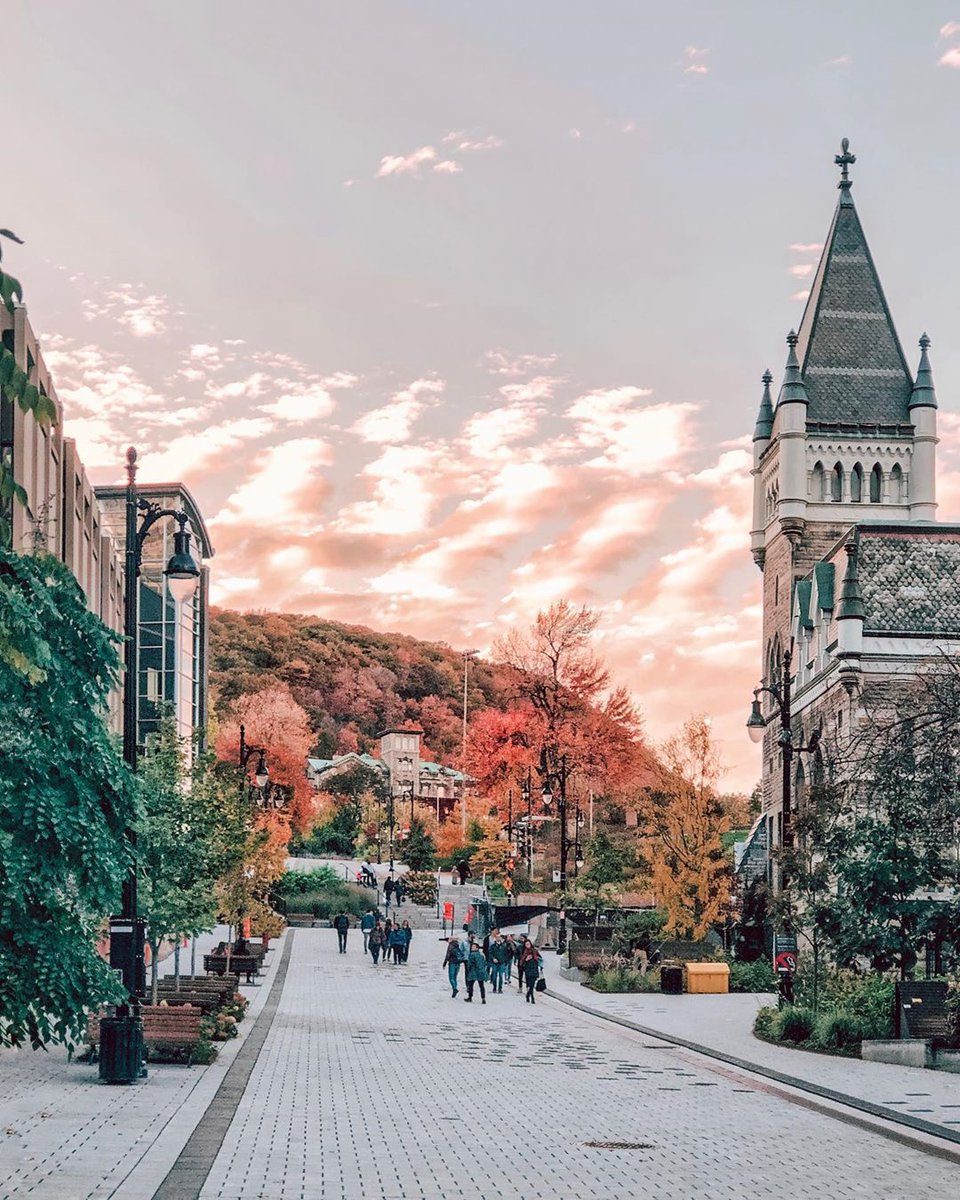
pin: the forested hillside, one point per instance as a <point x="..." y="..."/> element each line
<point x="353" y="682"/>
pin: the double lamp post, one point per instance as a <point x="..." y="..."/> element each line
<point x="121" y="1054"/>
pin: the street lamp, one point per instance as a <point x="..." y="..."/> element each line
<point x="266" y="795"/>
<point x="127" y="932"/>
<point x="756" y="727"/>
<point x="558" y="777"/>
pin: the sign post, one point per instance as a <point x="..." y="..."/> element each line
<point x="785" y="964"/>
<point x="447" y="916"/>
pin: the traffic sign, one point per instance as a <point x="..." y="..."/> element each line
<point x="785" y="953"/>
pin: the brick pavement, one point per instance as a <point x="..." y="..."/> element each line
<point x="374" y="1083"/>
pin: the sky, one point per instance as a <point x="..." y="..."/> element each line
<point x="447" y="310"/>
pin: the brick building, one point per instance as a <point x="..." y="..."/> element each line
<point x="859" y="580"/>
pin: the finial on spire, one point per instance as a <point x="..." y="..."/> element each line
<point x="131" y="466"/>
<point x="767" y="377"/>
<point x="924" y="342"/>
<point x="792" y="338"/>
<point x="844" y="161"/>
<point x="924" y="393"/>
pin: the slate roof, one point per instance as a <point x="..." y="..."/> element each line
<point x="909" y="579"/>
<point x="851" y="360"/>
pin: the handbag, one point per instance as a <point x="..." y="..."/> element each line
<point x="541" y="984"/>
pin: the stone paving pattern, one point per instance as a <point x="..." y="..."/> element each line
<point x="374" y="1083"/>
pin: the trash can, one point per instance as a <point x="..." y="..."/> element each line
<point x="671" y="979"/>
<point x="121" y="1049"/>
<point x="704" y="978"/>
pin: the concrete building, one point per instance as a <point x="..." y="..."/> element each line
<point x="62" y="516"/>
<point x="859" y="581"/>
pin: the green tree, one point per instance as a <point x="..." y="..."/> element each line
<point x="66" y="800"/>
<point x="606" y="869"/>
<point x="181" y="849"/>
<point x="419" y="851"/>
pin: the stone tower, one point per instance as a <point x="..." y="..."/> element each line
<point x="852" y="437"/>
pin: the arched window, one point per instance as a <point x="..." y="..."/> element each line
<point x="896" y="484"/>
<point x="856" y="484"/>
<point x="836" y="484"/>
<point x="876" y="484"/>
<point x="818" y="483"/>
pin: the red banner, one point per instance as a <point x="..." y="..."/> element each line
<point x="447" y="910"/>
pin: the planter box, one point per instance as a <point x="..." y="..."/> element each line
<point x="947" y="1060"/>
<point x="902" y="1052"/>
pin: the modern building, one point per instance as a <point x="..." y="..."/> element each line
<point x="859" y="581"/>
<point x="405" y="772"/>
<point x="173" y="638"/>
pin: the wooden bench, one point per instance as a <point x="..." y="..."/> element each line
<point x="216" y="989"/>
<point x="164" y="1027"/>
<point x="240" y="964"/>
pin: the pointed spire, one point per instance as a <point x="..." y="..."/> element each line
<point x="764" y="426"/>
<point x="924" y="393"/>
<point x="792" y="389"/>
<point x="851" y="597"/>
<point x="845" y="160"/>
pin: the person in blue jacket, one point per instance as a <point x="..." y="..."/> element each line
<point x="451" y="960"/>
<point x="476" y="971"/>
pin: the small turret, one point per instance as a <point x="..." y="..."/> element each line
<point x="851" y="615"/>
<point x="761" y="440"/>
<point x="791" y="426"/>
<point x="764" y="425"/>
<point x="923" y="467"/>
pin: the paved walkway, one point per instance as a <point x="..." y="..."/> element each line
<point x="373" y="1084"/>
<point x="725" y="1023"/>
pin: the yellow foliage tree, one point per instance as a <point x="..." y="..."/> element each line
<point x="685" y="820"/>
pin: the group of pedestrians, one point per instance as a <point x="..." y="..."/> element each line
<point x="494" y="961"/>
<point x="394" y="890"/>
<point x="385" y="938"/>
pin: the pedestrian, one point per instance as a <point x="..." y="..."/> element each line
<point x="387" y="930"/>
<point x="376" y="943"/>
<point x="463" y="870"/>
<point x="388" y="891"/>
<point x="476" y="972"/>
<point x="531" y="965"/>
<point x="400" y="891"/>
<point x="510" y="946"/>
<point x="397" y="942"/>
<point x="518" y="944"/>
<point x="341" y="923"/>
<point x="452" y="960"/>
<point x="367" y="922"/>
<point x="407" y="939"/>
<point x="498" y="956"/>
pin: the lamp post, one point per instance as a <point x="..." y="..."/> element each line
<point x="127" y="933"/>
<point x="526" y="791"/>
<point x="756" y="727"/>
<point x="266" y="794"/>
<point x="558" y="776"/>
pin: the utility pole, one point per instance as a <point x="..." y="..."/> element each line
<point x="467" y="655"/>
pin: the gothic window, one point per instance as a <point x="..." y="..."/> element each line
<point x="856" y="484"/>
<point x="876" y="484"/>
<point x="896" y="484"/>
<point x="836" y="484"/>
<point x="818" y="483"/>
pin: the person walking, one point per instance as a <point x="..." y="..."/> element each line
<point x="531" y="964"/>
<point x="407" y="933"/>
<point x="341" y="923"/>
<point x="498" y="955"/>
<point x="476" y="972"/>
<point x="452" y="960"/>
<point x="463" y="870"/>
<point x="511" y="953"/>
<point x="367" y="922"/>
<point x="388" y="887"/>
<point x="376" y="943"/>
<point x="400" y="891"/>
<point x="397" y="942"/>
<point x="518" y="945"/>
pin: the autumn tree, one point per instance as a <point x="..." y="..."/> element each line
<point x="606" y="868"/>
<point x="685" y="821"/>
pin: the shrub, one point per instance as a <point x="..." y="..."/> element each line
<point x="837" y="1031"/>
<point x="421" y="887"/>
<point x="298" y="883"/>
<point x="625" y="979"/>
<point x="764" y="1020"/>
<point x="754" y="976"/>
<point x="792" y="1024"/>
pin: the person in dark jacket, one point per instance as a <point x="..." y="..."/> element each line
<point x="388" y="887"/>
<point x="463" y="870"/>
<point x="377" y="943"/>
<point x="452" y="960"/>
<point x="511" y="953"/>
<point x="497" y="955"/>
<point x="531" y="964"/>
<point x="397" y="943"/>
<point x="476" y="972"/>
<point x="407" y="939"/>
<point x="367" y="922"/>
<point x="400" y="891"/>
<point x="341" y="923"/>
<point x="518" y="945"/>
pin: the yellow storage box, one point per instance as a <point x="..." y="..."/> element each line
<point x="707" y="978"/>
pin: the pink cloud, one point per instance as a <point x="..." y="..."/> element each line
<point x="693" y="58"/>
<point x="951" y="58"/>
<point x="406" y="164"/>
<point x="394" y="422"/>
<point x="950" y="30"/>
<point x="447" y="167"/>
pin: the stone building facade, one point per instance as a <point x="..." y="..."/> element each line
<point x="859" y="580"/>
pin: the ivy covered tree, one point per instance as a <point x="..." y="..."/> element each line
<point x="66" y="799"/>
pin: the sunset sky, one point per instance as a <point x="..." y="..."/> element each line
<point x="445" y="310"/>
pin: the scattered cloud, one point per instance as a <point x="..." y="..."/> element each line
<point x="809" y="251"/>
<point x="142" y="313"/>
<point x="406" y="164"/>
<point x="842" y="60"/>
<point x="803" y="295"/>
<point x="801" y="270"/>
<point x="950" y="30"/>
<point x="576" y="134"/>
<point x="694" y="61"/>
<point x="500" y="362"/>
<point x="806" y="247"/>
<point x="394" y="421"/>
<point x="448" y="166"/>
<point x="426" y="157"/>
<point x="951" y="58"/>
